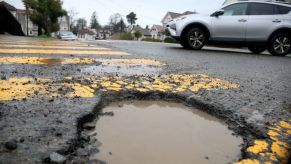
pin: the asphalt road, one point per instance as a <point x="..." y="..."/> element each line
<point x="50" y="89"/>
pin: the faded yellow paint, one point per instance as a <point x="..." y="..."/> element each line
<point x="278" y="151"/>
<point x="285" y="125"/>
<point x="273" y="134"/>
<point x="64" y="52"/>
<point x="18" y="88"/>
<point x="142" y="89"/>
<point x="21" y="88"/>
<point x="166" y="83"/>
<point x="47" y="44"/>
<point x="39" y="61"/>
<point x="270" y="156"/>
<point x="248" y="161"/>
<point x="80" y="91"/>
<point x="70" y="47"/>
<point x="258" y="147"/>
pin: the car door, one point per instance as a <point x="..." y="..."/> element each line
<point x="264" y="18"/>
<point x="231" y="26"/>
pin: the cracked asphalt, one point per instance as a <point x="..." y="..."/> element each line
<point x="49" y="89"/>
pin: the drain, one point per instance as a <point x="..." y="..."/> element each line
<point x="163" y="133"/>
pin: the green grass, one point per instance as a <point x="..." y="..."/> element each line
<point x="170" y="40"/>
<point x="42" y="36"/>
<point x="151" y="40"/>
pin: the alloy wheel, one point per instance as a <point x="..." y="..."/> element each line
<point x="282" y="44"/>
<point x="197" y="39"/>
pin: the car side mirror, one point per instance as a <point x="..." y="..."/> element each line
<point x="217" y="13"/>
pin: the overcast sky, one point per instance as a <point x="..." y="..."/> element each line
<point x="148" y="12"/>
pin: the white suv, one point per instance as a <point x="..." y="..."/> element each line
<point x="255" y="24"/>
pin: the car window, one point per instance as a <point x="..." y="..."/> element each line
<point x="236" y="9"/>
<point x="262" y="9"/>
<point x="283" y="9"/>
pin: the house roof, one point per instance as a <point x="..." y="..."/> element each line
<point x="8" y="6"/>
<point x="159" y="28"/>
<point x="188" y="13"/>
<point x="175" y="15"/>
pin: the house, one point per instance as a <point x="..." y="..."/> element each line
<point x="145" y="32"/>
<point x="157" y="32"/>
<point x="87" y="33"/>
<point x="172" y="15"/>
<point x="30" y="29"/>
<point x="64" y="23"/>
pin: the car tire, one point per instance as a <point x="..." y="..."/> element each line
<point x="280" y="44"/>
<point x="184" y="43"/>
<point x="194" y="39"/>
<point x="257" y="49"/>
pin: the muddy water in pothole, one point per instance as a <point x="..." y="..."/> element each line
<point x="144" y="132"/>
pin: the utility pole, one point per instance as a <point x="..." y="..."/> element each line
<point x="26" y="8"/>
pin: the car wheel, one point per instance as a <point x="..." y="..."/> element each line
<point x="280" y="44"/>
<point x="195" y="39"/>
<point x="257" y="49"/>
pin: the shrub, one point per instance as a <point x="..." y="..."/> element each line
<point x="151" y="40"/>
<point x="126" y="36"/>
<point x="42" y="36"/>
<point x="137" y="34"/>
<point x="170" y="40"/>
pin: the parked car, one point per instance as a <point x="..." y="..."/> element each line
<point x="66" y="35"/>
<point x="255" y="24"/>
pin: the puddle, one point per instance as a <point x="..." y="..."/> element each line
<point x="44" y="61"/>
<point x="51" y="61"/>
<point x="157" y="132"/>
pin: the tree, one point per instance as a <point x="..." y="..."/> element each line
<point x="94" y="24"/>
<point x="121" y="25"/>
<point x="81" y="23"/>
<point x="45" y="14"/>
<point x="137" y="34"/>
<point x="131" y="18"/>
<point x="147" y="27"/>
<point x="114" y="22"/>
<point x="72" y="13"/>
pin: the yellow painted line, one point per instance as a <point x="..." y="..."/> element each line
<point x="65" y="52"/>
<point x="39" y="42"/>
<point x="48" y="61"/>
<point x="166" y="83"/>
<point x="55" y="61"/>
<point x="47" y="44"/>
<point x="25" y="87"/>
<point x="54" y="47"/>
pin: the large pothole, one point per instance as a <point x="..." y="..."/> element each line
<point x="160" y="132"/>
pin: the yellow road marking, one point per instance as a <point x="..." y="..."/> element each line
<point x="52" y="61"/>
<point x="42" y="43"/>
<point x="48" y="61"/>
<point x="65" y="52"/>
<point x="165" y="83"/>
<point x="54" y="47"/>
<point x="20" y="88"/>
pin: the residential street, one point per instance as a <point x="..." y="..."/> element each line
<point x="51" y="89"/>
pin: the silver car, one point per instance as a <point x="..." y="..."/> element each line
<point x="66" y="35"/>
<point x="255" y="24"/>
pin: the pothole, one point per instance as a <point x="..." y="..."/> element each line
<point x="159" y="132"/>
